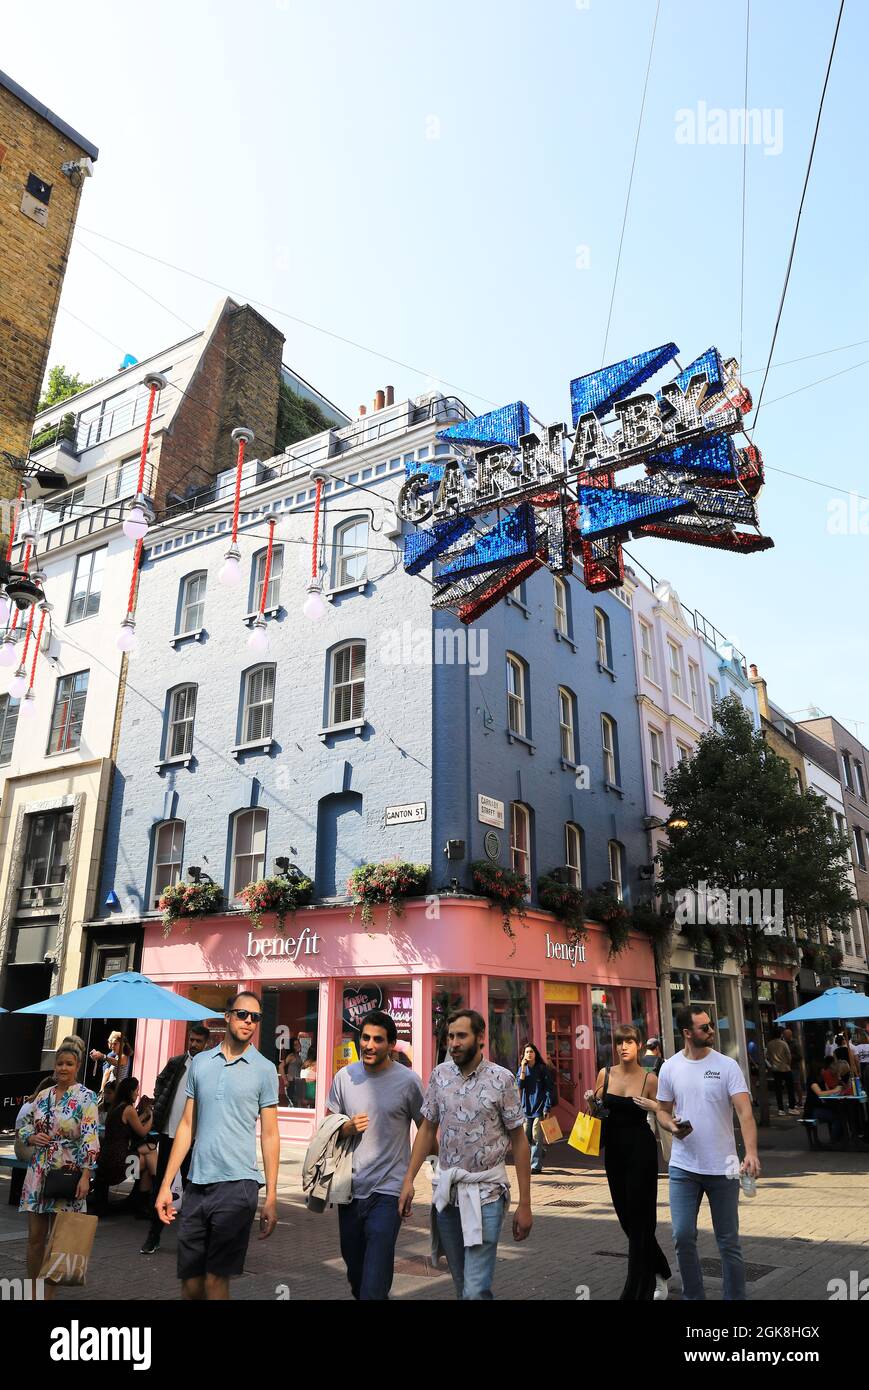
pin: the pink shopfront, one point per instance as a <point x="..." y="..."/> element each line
<point x="318" y="978"/>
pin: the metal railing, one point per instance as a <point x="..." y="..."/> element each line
<point x="40" y="895"/>
<point x="715" y="639"/>
<point x="81" y="510"/>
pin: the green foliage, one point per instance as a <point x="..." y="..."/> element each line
<point x="374" y="885"/>
<point x="604" y="907"/>
<point x="565" y="903"/>
<point x="276" y="894"/>
<point x="59" y="385"/>
<point x="505" y="888"/>
<point x="65" y="429"/>
<point x="189" y="900"/>
<point x="298" y="418"/>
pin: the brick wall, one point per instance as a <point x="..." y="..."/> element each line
<point x="32" y="266"/>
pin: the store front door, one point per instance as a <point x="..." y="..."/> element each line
<point x="562" y="1054"/>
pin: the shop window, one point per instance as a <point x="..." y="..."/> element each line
<point x="288" y="1037"/>
<point x="168" y="857"/>
<point x="339" y="842"/>
<point x="215" y="997"/>
<point x="603" y="1022"/>
<point x="638" y="1011"/>
<point x="509" y="1021"/>
<point x="449" y="992"/>
<point x="358" y="998"/>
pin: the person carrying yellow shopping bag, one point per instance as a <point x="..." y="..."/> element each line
<point x="585" y="1134"/>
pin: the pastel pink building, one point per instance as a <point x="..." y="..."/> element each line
<point x="323" y="972"/>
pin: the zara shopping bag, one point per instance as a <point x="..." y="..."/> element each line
<point x="69" y="1248"/>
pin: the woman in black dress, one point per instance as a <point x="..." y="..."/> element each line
<point x="631" y="1163"/>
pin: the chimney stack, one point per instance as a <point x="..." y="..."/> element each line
<point x="379" y="400"/>
<point x="362" y="410"/>
<point x="390" y="395"/>
<point x="760" y="686"/>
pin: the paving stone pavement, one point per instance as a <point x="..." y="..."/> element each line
<point x="808" y="1224"/>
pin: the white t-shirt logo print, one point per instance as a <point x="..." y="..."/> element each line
<point x="701" y="1092"/>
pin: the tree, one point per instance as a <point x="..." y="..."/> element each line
<point x="758" y="858"/>
<point x="298" y="418"/>
<point x="59" y="384"/>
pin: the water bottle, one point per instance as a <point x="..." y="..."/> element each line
<point x="749" y="1184"/>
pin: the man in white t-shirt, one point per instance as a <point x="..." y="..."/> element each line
<point x="698" y="1089"/>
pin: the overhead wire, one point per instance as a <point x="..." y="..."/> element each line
<point x="744" y="180"/>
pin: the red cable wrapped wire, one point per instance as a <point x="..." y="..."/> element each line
<point x="137" y="555"/>
<point x="14" y="623"/>
<point x="146" y="438"/>
<point x="316" y="528"/>
<point x="239" y="464"/>
<point x="268" y="569"/>
<point x="36" y="649"/>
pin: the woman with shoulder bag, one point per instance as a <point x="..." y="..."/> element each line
<point x="631" y="1164"/>
<point x="24" y="1152"/>
<point x="63" y="1129"/>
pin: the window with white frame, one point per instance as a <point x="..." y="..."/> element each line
<point x="68" y="713"/>
<point x="516" y="721"/>
<point x="273" y="594"/>
<point x="683" y="752"/>
<point x="193" y="602"/>
<point x="859" y="847"/>
<point x="861" y="785"/>
<point x="559" y="593"/>
<point x="182" y="713"/>
<point x="646" y="652"/>
<point x="602" y="637"/>
<point x="520" y="838"/>
<point x="351" y="553"/>
<point x="248" y="848"/>
<point x="259" y="702"/>
<point x="347" y="701"/>
<point x="565" y="717"/>
<point x="9" y="708"/>
<point x="168" y="857"/>
<point x="694" y="683"/>
<point x="714" y="696"/>
<point x="656" y="758"/>
<point x="573" y="854"/>
<point x="609" y="745"/>
<point x="616" y="862"/>
<point x="677" y="680"/>
<point x="87" y="586"/>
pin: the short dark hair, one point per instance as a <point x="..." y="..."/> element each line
<point x="842" y="1054"/>
<point x="243" y="994"/>
<point x="124" y="1092"/>
<point x="628" y="1032"/>
<point x="685" y="1015"/>
<point x="376" y="1018"/>
<point x="477" y="1022"/>
<point x="202" y="1030"/>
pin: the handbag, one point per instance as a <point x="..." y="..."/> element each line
<point x="68" y="1250"/>
<point x="585" y="1134"/>
<point x="551" y="1130"/>
<point x="61" y="1184"/>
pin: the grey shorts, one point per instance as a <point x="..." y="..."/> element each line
<point x="214" y="1228"/>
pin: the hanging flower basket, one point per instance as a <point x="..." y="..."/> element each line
<point x="189" y="900"/>
<point x="505" y="888"/>
<point x="564" y="902"/>
<point x="657" y="925"/>
<point x="278" y="895"/>
<point x="605" y="908"/>
<point x="387" y="884"/>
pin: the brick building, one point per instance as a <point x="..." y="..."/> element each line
<point x="39" y="200"/>
<point x="56" y="769"/>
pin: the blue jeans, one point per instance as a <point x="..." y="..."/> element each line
<point x="368" y="1227"/>
<point x="472" y="1266"/>
<point x="537" y="1150"/>
<point x="686" y="1193"/>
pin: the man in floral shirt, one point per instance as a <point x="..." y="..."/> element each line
<point x="474" y="1108"/>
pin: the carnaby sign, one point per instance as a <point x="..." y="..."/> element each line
<point x="571" y="951"/>
<point x="555" y="492"/>
<point x="289" y="947"/>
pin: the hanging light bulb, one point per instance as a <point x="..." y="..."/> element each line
<point x="126" y="638"/>
<point x="230" y="573"/>
<point x="8" y="652"/>
<point x="18" y="683"/>
<point x="663" y="591"/>
<point x="314" y="606"/>
<point x="5" y="607"/>
<point x="27" y="709"/>
<point x="259" y="637"/>
<point x="135" y="526"/>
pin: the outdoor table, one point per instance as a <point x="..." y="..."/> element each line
<point x="851" y="1116"/>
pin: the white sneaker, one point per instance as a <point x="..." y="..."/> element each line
<point x="782" y="1112"/>
<point x="662" y="1291"/>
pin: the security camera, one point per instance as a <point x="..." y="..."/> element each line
<point x="49" y="959"/>
<point x="78" y="169"/>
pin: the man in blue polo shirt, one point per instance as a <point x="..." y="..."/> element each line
<point x="228" y="1088"/>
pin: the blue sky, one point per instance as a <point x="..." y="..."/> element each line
<point x="445" y="183"/>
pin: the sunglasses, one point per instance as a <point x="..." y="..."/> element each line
<point x="244" y="1014"/>
<point x="705" y="1027"/>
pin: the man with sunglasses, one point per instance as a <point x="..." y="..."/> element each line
<point x="698" y="1090"/>
<point x="228" y="1089"/>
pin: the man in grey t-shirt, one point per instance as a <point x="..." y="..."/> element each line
<point x="381" y="1098"/>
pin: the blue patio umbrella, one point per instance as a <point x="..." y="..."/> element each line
<point x="832" y="1004"/>
<point x="125" y="995"/>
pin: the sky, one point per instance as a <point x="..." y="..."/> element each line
<point x="445" y="184"/>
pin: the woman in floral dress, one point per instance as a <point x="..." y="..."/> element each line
<point x="63" y="1127"/>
